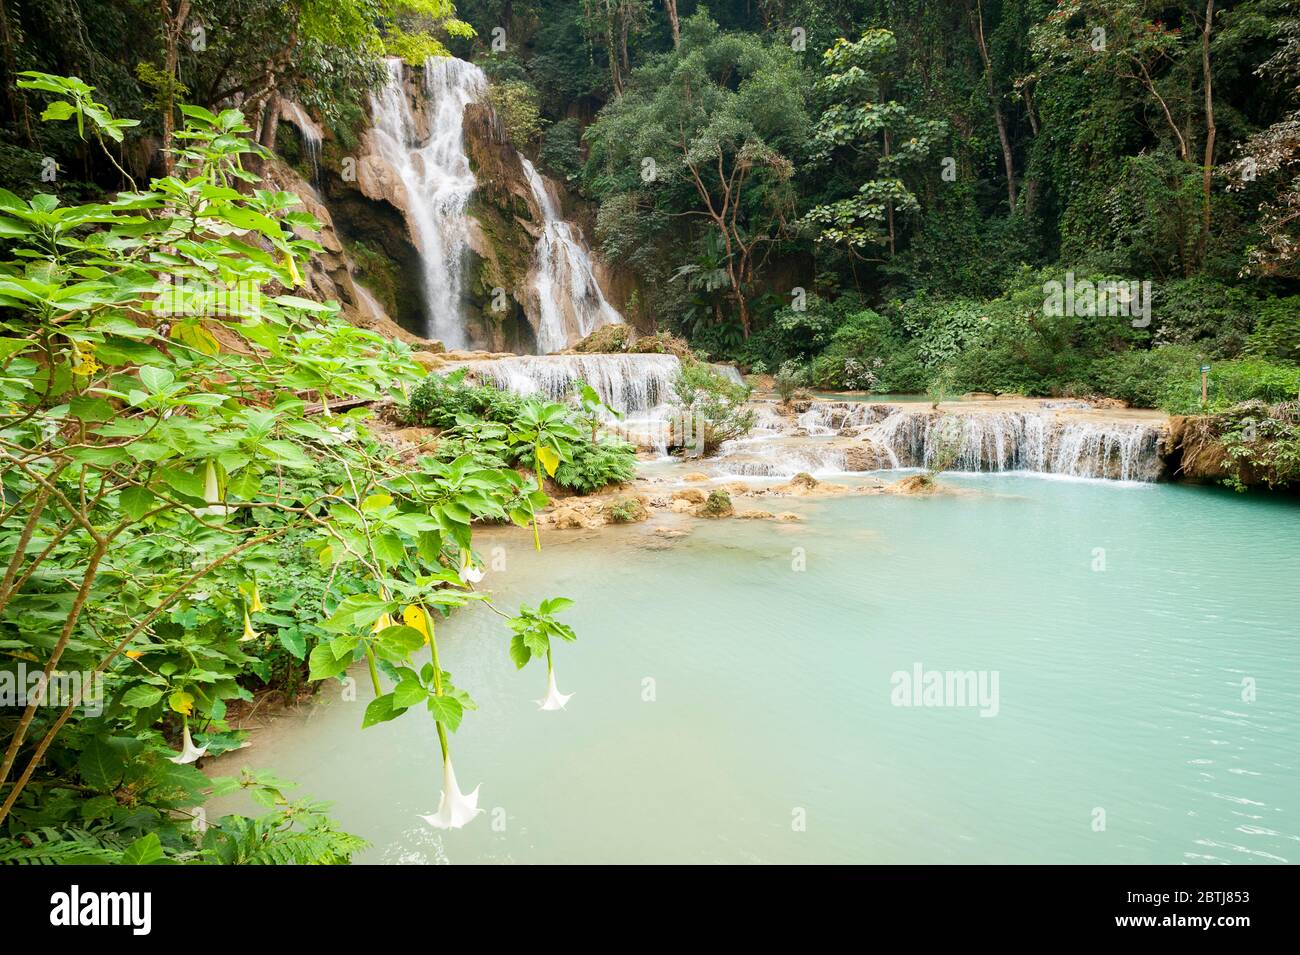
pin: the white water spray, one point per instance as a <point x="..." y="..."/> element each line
<point x="569" y="303"/>
<point x="435" y="172"/>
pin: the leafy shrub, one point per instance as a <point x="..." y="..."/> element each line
<point x="1232" y="382"/>
<point x="867" y="352"/>
<point x="593" y="466"/>
<point x="629" y="510"/>
<point x="1203" y="312"/>
<point x="1277" y="330"/>
<point x="561" y="152"/>
<point x="717" y="504"/>
<point x="440" y="400"/>
<point x="1146" y="378"/>
<point x="515" y="103"/>
<point x="702" y="395"/>
<point x="1262" y="447"/>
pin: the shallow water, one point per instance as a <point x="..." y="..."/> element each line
<point x="1119" y="690"/>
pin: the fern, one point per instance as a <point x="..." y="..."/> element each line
<point x="69" y="846"/>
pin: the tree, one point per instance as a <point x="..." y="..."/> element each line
<point x="709" y="130"/>
<point x="881" y="136"/>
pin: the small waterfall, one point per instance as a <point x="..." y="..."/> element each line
<point x="627" y="383"/>
<point x="839" y="417"/>
<point x="308" y="131"/>
<point x="1022" y="441"/>
<point x="569" y="303"/>
<point x="435" y="172"/>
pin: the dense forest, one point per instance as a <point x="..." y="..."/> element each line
<point x="867" y="195"/>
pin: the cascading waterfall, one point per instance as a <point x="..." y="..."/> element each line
<point x="435" y="171"/>
<point x="569" y="303"/>
<point x="638" y="386"/>
<point x="1021" y="441"/>
<point x="626" y="383"/>
<point x="836" y="436"/>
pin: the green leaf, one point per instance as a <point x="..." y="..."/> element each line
<point x="87" y="408"/>
<point x="446" y="710"/>
<point x="293" y="641"/>
<point x="144" y="851"/>
<point x="322" y="664"/>
<point x="136" y="501"/>
<point x="380" y="710"/>
<point x="141" y="696"/>
<point x="408" y="693"/>
<point x="519" y="651"/>
<point x="101" y="765"/>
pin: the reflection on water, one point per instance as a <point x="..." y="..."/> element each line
<point x="730" y="707"/>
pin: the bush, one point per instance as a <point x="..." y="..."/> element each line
<point x="561" y="152"/>
<point x="1200" y="311"/>
<point x="867" y="352"/>
<point x="515" y="102"/>
<point x="439" y="400"/>
<point x="718" y="405"/>
<point x="1145" y="378"/>
<point x="1277" y="330"/>
<point x="717" y="504"/>
<point x="629" y="510"/>
<point x="1231" y="383"/>
<point x="593" y="466"/>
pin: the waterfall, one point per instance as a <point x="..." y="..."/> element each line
<point x="626" y="383"/>
<point x="435" y="172"/>
<point x="569" y="303"/>
<point x="1021" y="441"/>
<point x="308" y="131"/>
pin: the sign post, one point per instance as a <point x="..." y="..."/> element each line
<point x="1205" y="384"/>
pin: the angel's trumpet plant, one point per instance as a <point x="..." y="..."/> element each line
<point x="249" y="632"/>
<point x="212" y="492"/>
<point x="189" y="752"/>
<point x="255" y="606"/>
<point x="469" y="572"/>
<point x="554" y="700"/>
<point x="455" y="808"/>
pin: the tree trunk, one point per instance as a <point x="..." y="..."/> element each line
<point x="1207" y="175"/>
<point x="173" y="24"/>
<point x="674" y="22"/>
<point x="889" y="206"/>
<point x="16" y="101"/>
<point x="1008" y="158"/>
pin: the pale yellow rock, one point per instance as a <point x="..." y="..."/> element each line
<point x="788" y="516"/>
<point x="755" y="515"/>
<point x="692" y="494"/>
<point x="681" y="507"/>
<point x="696" y="476"/>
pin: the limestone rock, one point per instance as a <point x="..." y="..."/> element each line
<point x="692" y="495"/>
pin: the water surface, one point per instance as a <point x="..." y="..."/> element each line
<point x="730" y="707"/>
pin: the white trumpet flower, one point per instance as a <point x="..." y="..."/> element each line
<point x="471" y="574"/>
<point x="455" y="808"/>
<point x="555" y="700"/>
<point x="212" y="494"/>
<point x="190" y="752"/>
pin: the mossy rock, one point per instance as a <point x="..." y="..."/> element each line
<point x="606" y="339"/>
<point x="629" y="510"/>
<point x="718" y="504"/>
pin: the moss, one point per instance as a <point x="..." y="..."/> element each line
<point x="377" y="272"/>
<point x="607" y="338"/>
<point x="718" y="504"/>
<point x="626" y="511"/>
